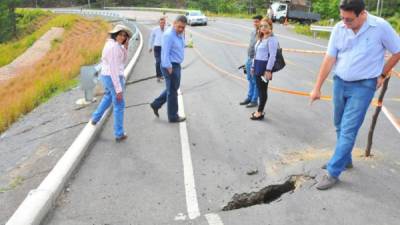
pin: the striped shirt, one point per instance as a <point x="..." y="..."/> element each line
<point x="113" y="61"/>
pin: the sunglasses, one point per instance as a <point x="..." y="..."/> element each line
<point x="347" y="20"/>
<point x="265" y="26"/>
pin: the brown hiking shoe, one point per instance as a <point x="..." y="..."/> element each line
<point x="326" y="182"/>
<point x="349" y="166"/>
<point x="122" y="138"/>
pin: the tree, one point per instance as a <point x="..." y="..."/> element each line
<point x="327" y="9"/>
<point x="8" y="19"/>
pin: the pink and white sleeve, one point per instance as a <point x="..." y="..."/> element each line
<point x="114" y="67"/>
<point x="125" y="52"/>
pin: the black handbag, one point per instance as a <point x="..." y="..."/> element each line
<point x="279" y="61"/>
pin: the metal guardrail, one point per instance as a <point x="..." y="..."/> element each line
<point x="148" y="9"/>
<point x="315" y="29"/>
<point x="102" y="13"/>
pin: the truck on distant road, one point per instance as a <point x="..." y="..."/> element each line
<point x="298" y="10"/>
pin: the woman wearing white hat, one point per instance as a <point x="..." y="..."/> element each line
<point x="113" y="61"/>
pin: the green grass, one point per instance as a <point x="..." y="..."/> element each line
<point x="11" y="50"/>
<point x="55" y="42"/>
<point x="305" y="29"/>
<point x="14" y="183"/>
<point x="395" y="21"/>
<point x="231" y="15"/>
<point x="27" y="17"/>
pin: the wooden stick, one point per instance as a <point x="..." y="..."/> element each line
<point x="375" y="117"/>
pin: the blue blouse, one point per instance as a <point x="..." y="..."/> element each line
<point x="266" y="50"/>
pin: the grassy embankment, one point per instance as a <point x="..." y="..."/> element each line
<point x="81" y="44"/>
<point x="31" y="25"/>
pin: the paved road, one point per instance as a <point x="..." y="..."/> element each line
<point x="149" y="178"/>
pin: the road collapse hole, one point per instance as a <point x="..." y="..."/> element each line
<point x="266" y="195"/>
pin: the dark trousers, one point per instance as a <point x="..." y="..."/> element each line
<point x="259" y="70"/>
<point x="157" y="55"/>
<point x="170" y="94"/>
<point x="262" y="92"/>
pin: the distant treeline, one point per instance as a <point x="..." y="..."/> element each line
<point x="8" y="19"/>
<point x="327" y="9"/>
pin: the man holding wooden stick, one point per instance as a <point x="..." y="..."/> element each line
<point x="356" y="49"/>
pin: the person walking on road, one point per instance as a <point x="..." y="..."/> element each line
<point x="252" y="95"/>
<point x="264" y="59"/>
<point x="356" y="51"/>
<point x="172" y="55"/>
<point x="113" y="61"/>
<point x="155" y="45"/>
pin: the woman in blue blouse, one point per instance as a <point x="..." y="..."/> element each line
<point x="264" y="60"/>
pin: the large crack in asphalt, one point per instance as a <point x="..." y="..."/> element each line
<point x="58" y="131"/>
<point x="267" y="194"/>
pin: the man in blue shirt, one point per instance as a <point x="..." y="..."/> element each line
<point x="252" y="93"/>
<point x="172" y="55"/>
<point x="155" y="43"/>
<point x="356" y="49"/>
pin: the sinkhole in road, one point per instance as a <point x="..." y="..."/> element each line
<point x="267" y="194"/>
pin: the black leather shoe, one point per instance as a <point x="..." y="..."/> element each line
<point x="179" y="120"/>
<point x="245" y="102"/>
<point x="155" y="110"/>
<point x="252" y="105"/>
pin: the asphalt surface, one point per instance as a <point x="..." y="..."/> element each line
<point x="31" y="147"/>
<point x="141" y="181"/>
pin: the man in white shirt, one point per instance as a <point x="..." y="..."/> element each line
<point x="155" y="44"/>
<point x="356" y="54"/>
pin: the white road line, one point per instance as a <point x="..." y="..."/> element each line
<point x="190" y="187"/>
<point x="301" y="41"/>
<point x="214" y="219"/>
<point x="391" y="118"/>
<point x="279" y="35"/>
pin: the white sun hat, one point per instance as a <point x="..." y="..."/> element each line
<point x="119" y="28"/>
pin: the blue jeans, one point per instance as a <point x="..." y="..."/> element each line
<point x="252" y="94"/>
<point x="157" y="56"/>
<point x="351" y="101"/>
<point x="170" y="94"/>
<point x="109" y="97"/>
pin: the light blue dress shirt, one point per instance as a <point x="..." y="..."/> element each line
<point x="155" y="37"/>
<point x="172" y="48"/>
<point x="361" y="56"/>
